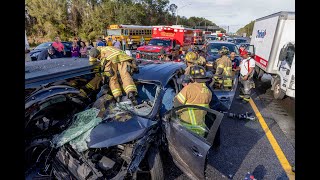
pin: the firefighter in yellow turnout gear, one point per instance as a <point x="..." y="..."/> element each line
<point x="114" y="60"/>
<point x="195" y="93"/>
<point x="224" y="67"/>
<point x="191" y="59"/>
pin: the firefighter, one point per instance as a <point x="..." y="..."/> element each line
<point x="195" y="93"/>
<point x="163" y="56"/>
<point x="224" y="68"/>
<point x="201" y="60"/>
<point x="246" y="73"/>
<point x="175" y="53"/>
<point x="224" y="64"/>
<point x="191" y="59"/>
<point x="114" y="60"/>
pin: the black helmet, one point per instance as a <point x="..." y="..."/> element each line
<point x="195" y="49"/>
<point x="197" y="72"/>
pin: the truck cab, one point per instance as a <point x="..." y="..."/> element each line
<point x="152" y="50"/>
<point x="166" y="38"/>
<point x="284" y="82"/>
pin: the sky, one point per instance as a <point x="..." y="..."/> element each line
<point x="232" y="13"/>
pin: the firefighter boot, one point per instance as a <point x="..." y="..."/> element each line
<point x="131" y="96"/>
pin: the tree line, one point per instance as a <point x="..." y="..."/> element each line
<point x="246" y="29"/>
<point x="88" y="19"/>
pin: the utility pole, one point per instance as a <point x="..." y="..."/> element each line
<point x="177" y="12"/>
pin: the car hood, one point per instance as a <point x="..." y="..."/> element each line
<point x="150" y="48"/>
<point x="110" y="133"/>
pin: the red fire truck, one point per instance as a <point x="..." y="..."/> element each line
<point x="166" y="38"/>
<point x="197" y="36"/>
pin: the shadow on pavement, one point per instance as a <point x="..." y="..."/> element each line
<point x="238" y="137"/>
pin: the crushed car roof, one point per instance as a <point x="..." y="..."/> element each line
<point x="161" y="72"/>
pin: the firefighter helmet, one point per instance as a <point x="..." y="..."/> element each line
<point x="191" y="57"/>
<point x="93" y="53"/>
<point x="197" y="72"/>
<point x="224" y="50"/>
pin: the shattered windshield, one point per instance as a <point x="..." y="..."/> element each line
<point x="146" y="97"/>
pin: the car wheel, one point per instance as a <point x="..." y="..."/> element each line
<point x="277" y="91"/>
<point x="155" y="164"/>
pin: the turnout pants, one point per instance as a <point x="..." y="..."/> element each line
<point x="246" y="86"/>
<point x="127" y="81"/>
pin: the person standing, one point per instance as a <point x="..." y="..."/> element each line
<point x="195" y="93"/>
<point x="75" y="50"/>
<point x="123" y="41"/>
<point x="117" y="44"/>
<point x="100" y="42"/>
<point x="224" y="64"/>
<point x="57" y="44"/>
<point x="130" y="42"/>
<point x="83" y="50"/>
<point x="246" y="68"/>
<point x="142" y="41"/>
<point x="234" y="60"/>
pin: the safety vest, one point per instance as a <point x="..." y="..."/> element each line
<point x="193" y="118"/>
<point x="225" y="63"/>
<point x="110" y="53"/>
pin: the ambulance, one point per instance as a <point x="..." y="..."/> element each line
<point x="168" y="38"/>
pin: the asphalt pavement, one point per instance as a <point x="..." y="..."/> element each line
<point x="244" y="144"/>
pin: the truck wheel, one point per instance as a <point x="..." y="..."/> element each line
<point x="277" y="92"/>
<point x="155" y="164"/>
<point x="261" y="72"/>
<point x="256" y="72"/>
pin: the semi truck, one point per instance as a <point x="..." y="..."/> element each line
<point x="273" y="45"/>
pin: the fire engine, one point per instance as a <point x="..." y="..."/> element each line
<point x="166" y="38"/>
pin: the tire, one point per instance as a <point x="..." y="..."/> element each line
<point x="155" y="164"/>
<point x="277" y="92"/>
<point x="261" y="72"/>
<point x="256" y="72"/>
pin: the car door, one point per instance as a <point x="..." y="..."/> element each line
<point x="189" y="150"/>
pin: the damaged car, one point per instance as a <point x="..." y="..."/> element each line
<point x="67" y="138"/>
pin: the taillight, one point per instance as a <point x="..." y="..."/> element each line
<point x="138" y="56"/>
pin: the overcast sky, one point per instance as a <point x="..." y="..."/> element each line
<point x="232" y="13"/>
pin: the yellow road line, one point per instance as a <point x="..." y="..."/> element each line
<point x="276" y="148"/>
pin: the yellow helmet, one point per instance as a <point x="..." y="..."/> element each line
<point x="191" y="57"/>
